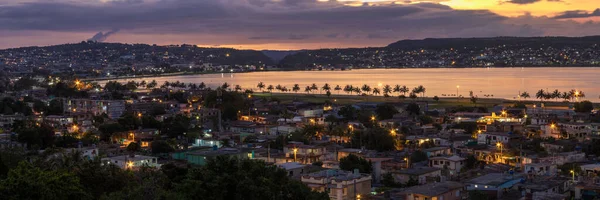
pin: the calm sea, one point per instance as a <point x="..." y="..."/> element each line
<point x="499" y="82"/>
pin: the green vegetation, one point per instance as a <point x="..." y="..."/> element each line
<point x="351" y="162"/>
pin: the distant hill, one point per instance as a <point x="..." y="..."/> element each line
<point x="532" y="42"/>
<point x="277" y="56"/>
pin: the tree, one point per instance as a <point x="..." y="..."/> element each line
<point x="436" y="98"/>
<point x="540" y="94"/>
<point x="388" y="180"/>
<point x="348" y="112"/>
<point x="351" y="162"/>
<point x="385" y="111"/>
<point x="30" y="182"/>
<point x="583" y="107"/>
<point x="326" y="87"/>
<point x="413" y="109"/>
<point x="270" y="88"/>
<point x="418" y="156"/>
<point x="314" y="87"/>
<point x="337" y="88"/>
<point x="376" y="91"/>
<point x="133" y="147"/>
<point x="525" y="95"/>
<point x="160" y="147"/>
<point x="366" y="88"/>
<point x="474" y="100"/>
<point x="307" y="89"/>
<point x="260" y="86"/>
<point x="296" y="88"/>
<point x="387" y="89"/>
<point x="233" y="178"/>
<point x="238" y="88"/>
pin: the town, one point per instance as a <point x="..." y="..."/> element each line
<point x="109" y="60"/>
<point x="149" y="140"/>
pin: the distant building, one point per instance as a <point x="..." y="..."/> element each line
<point x="440" y="190"/>
<point x="129" y="162"/>
<point x="493" y="184"/>
<point x="113" y="108"/>
<point x="342" y="185"/>
<point x="421" y="175"/>
<point x="453" y="163"/>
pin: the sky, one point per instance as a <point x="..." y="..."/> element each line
<point x="287" y="24"/>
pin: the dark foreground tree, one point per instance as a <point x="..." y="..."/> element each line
<point x="232" y="178"/>
<point x="351" y="162"/>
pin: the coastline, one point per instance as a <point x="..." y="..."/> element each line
<point x="299" y="70"/>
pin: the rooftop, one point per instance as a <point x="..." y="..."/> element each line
<point x="492" y="179"/>
<point x="418" y="171"/>
<point x="434" y="189"/>
<point x="129" y="158"/>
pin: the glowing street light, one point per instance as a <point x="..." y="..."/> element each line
<point x="500" y="145"/>
<point x="457" y="86"/>
<point x="295" y="151"/>
<point x="573" y="172"/>
<point x="129" y="164"/>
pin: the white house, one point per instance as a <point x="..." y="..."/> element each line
<point x="130" y="162"/>
<point x="453" y="163"/>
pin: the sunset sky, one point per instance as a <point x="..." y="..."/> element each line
<point x="287" y="24"/>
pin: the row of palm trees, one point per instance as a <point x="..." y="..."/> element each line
<point x="556" y="94"/>
<point x="365" y="89"/>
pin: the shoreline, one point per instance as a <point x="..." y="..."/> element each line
<point x="301" y="70"/>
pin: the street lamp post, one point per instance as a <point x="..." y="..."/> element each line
<point x="295" y="151"/>
<point x="457" y="86"/>
<point x="573" y="173"/>
<point x="500" y="145"/>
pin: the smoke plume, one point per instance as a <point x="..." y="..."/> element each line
<point x="101" y="37"/>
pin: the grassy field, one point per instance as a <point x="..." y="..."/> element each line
<point x="443" y="102"/>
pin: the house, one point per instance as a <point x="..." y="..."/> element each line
<point x="294" y="169"/>
<point x="421" y="175"/>
<point x="346" y="152"/>
<point x="342" y="185"/>
<point x="132" y="161"/>
<point x="305" y="154"/>
<point x="447" y="190"/>
<point x="495" y="137"/>
<point x="113" y="108"/>
<point x="453" y="163"/>
<point x="201" y="156"/>
<point x="540" y="169"/>
<point x="493" y="184"/>
<point x="438" y="151"/>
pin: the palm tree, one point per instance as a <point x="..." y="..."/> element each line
<point x="387" y="89"/>
<point x="225" y="86"/>
<point x="326" y="87"/>
<point x="404" y="90"/>
<point x="348" y="89"/>
<point x="540" y="94"/>
<point x="314" y="87"/>
<point x="296" y="88"/>
<point x="376" y="91"/>
<point x="270" y="88"/>
<point x="357" y="90"/>
<point x="337" y="88"/>
<point x="525" y="95"/>
<point x="238" y="88"/>
<point x="278" y="87"/>
<point x="366" y="88"/>
<point x="202" y="85"/>
<point x="566" y="96"/>
<point x="397" y="88"/>
<point x="556" y="94"/>
<point x="307" y="89"/>
<point x="421" y="90"/>
<point x="260" y="86"/>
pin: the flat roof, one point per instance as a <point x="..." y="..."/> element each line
<point x="434" y="189"/>
<point x="134" y="158"/>
<point x="492" y="179"/>
<point x="418" y="171"/>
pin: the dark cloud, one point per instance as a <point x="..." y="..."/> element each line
<point x="523" y="1"/>
<point x="267" y="21"/>
<point x="578" y="14"/>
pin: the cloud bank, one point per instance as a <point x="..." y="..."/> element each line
<point x="283" y="24"/>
